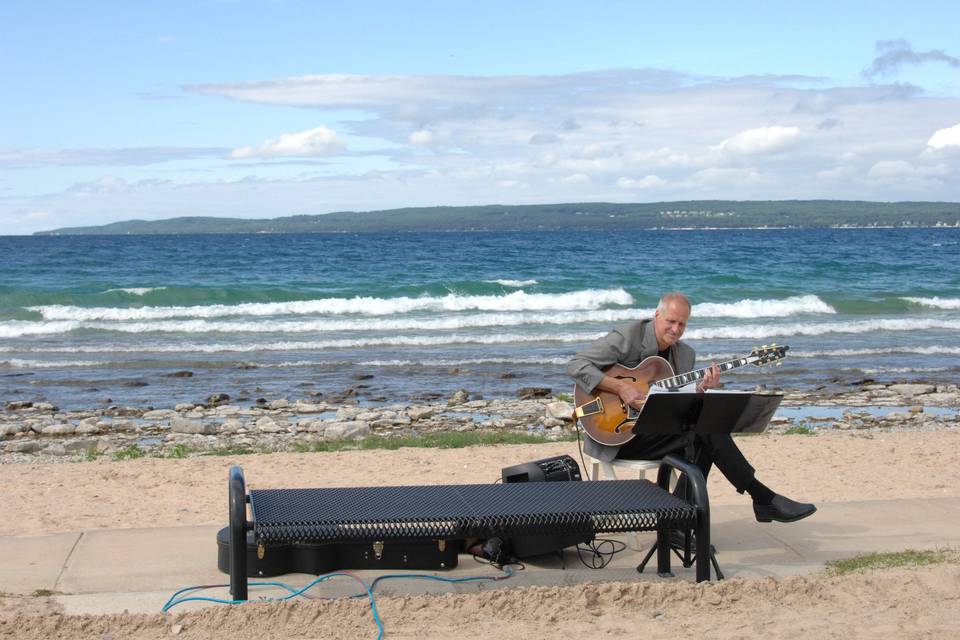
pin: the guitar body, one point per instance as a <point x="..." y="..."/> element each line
<point x="603" y="415"/>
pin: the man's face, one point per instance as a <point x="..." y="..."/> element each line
<point x="670" y="323"/>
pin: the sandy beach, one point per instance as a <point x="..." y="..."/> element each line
<point x="827" y="467"/>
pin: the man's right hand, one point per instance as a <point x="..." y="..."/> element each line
<point x="632" y="396"/>
<point x="628" y="393"/>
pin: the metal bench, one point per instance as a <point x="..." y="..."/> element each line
<point x="442" y="513"/>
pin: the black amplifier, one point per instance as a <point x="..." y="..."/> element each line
<point x="546" y="470"/>
<point x="558" y="468"/>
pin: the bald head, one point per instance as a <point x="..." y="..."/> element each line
<point x="674" y="297"/>
<point x="670" y="319"/>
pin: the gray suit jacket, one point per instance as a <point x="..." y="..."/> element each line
<point x="628" y="345"/>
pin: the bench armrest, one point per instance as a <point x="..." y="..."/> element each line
<point x="697" y="494"/>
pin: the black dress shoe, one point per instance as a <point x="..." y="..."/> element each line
<point x="783" y="509"/>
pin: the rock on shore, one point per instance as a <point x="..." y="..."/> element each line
<point x="28" y="430"/>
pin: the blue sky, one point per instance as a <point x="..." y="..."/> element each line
<point x="120" y="110"/>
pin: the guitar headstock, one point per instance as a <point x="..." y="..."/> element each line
<point x="767" y="354"/>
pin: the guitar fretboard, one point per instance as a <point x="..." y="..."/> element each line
<point x="686" y="378"/>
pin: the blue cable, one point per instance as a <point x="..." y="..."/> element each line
<point x="294" y="592"/>
<point x="415" y="576"/>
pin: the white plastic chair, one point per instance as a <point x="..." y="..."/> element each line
<point x="610" y="467"/>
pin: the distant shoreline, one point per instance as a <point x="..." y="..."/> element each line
<point x="538" y="230"/>
<point x="705" y="215"/>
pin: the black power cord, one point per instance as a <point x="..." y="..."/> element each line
<point x="599" y="552"/>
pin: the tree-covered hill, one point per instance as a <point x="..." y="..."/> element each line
<point x="591" y="215"/>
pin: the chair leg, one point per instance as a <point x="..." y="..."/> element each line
<point x="608" y="470"/>
<point x="595" y="470"/>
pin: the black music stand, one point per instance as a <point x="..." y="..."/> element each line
<point x="713" y="412"/>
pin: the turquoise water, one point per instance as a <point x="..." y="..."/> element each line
<point x="87" y="320"/>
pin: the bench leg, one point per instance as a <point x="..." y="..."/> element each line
<point x="238" y="534"/>
<point x="663" y="554"/>
<point x="697" y="490"/>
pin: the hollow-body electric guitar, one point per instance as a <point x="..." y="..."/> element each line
<point x="608" y="420"/>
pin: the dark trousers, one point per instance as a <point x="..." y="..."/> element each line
<point x="707" y="450"/>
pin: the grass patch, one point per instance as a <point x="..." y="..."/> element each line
<point x="43" y="593"/>
<point x="440" y="440"/>
<point x="564" y="397"/>
<point x="180" y="451"/>
<point x="799" y="430"/>
<point x="234" y="451"/>
<point x="908" y="558"/>
<point x="131" y="452"/>
<point x="92" y="453"/>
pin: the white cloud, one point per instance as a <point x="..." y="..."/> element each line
<point x="132" y="156"/>
<point x="887" y="169"/>
<point x="949" y="137"/>
<point x="761" y="140"/>
<point x="646" y="182"/>
<point x="837" y="173"/>
<point x="575" y="178"/>
<point x="544" y="138"/>
<point x="421" y="137"/>
<point x="725" y="178"/>
<point x="319" y="141"/>
<point x="429" y="140"/>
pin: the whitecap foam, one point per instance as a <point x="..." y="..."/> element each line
<point x="936" y="302"/>
<point x="449" y="323"/>
<point x="136" y="291"/>
<point x="463" y="362"/>
<point x="772" y="308"/>
<point x="762" y="331"/>
<point x="874" y="372"/>
<point x="21" y="328"/>
<point x="588" y="299"/>
<point x="516" y="284"/>
<point x="848" y="353"/>
<point x="17" y="363"/>
<point x="345" y="343"/>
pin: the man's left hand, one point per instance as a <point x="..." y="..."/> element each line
<point x="711" y="379"/>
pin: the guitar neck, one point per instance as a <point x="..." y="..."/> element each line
<point x="686" y="378"/>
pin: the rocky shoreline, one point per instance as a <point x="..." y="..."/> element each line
<point x="40" y="432"/>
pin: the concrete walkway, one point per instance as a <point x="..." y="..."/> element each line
<point x="137" y="570"/>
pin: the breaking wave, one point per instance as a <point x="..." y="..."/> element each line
<point x="136" y="291"/>
<point x="935" y="302"/>
<point x="588" y="299"/>
<point x="513" y="283"/>
<point x="749" y="308"/>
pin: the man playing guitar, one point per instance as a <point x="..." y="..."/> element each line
<point x="629" y="345"/>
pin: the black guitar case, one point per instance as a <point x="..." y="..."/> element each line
<point x="323" y="558"/>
